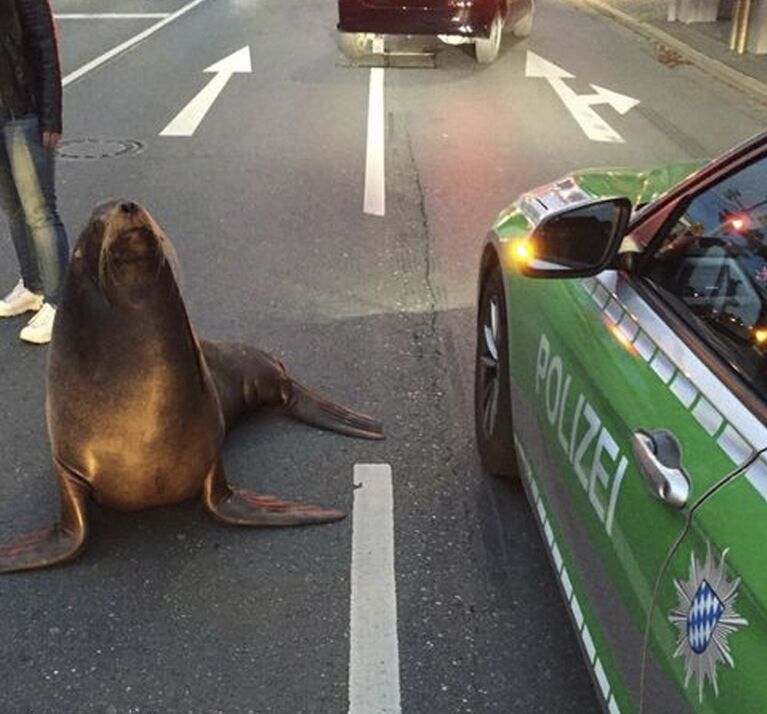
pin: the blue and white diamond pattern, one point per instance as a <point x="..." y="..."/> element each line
<point x="703" y="617"/>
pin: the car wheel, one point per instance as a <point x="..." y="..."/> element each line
<point x="486" y="49"/>
<point x="492" y="398"/>
<point x="524" y="26"/>
<point x="354" y="45"/>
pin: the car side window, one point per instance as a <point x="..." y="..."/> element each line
<point x="712" y="266"/>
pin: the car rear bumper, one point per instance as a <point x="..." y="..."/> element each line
<point x="469" y="18"/>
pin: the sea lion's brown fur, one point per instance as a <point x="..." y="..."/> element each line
<point x="138" y="407"/>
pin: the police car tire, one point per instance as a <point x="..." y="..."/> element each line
<point x="496" y="450"/>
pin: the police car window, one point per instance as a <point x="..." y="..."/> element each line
<point x="713" y="264"/>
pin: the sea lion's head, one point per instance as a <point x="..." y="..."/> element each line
<point x="122" y="246"/>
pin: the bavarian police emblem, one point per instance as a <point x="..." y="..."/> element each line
<point x="705" y="618"/>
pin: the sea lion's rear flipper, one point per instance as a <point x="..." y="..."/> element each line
<point x="246" y="508"/>
<point x="59" y="543"/>
<point x="248" y="379"/>
<point x="310" y="408"/>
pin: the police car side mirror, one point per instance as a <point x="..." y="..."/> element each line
<point x="577" y="242"/>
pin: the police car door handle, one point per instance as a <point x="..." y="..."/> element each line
<point x="659" y="458"/>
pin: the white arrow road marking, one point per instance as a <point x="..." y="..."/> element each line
<point x="579" y="105"/>
<point x="375" y="177"/>
<point x="124" y="46"/>
<point x="620" y="102"/>
<point x="189" y="118"/>
<point x="596" y="128"/>
<point x="374" y="655"/>
<point x="536" y="66"/>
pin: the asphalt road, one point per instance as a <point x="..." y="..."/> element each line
<point x="169" y="612"/>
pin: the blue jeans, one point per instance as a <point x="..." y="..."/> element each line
<point x="28" y="199"/>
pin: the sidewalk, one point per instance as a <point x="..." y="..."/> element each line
<point x="703" y="44"/>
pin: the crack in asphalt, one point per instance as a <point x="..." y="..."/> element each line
<point x="427" y="243"/>
<point x="451" y="459"/>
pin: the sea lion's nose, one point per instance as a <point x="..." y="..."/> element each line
<point x="128" y="207"/>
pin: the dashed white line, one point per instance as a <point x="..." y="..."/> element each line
<point x="374" y="686"/>
<point x="575" y="606"/>
<point x="604" y="685"/>
<point x="567" y="586"/>
<point x="375" y="178"/>
<point x="588" y="643"/>
<point x="123" y="46"/>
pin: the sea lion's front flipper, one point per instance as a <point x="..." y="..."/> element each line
<point x="61" y="542"/>
<point x="246" y="508"/>
<point x="310" y="408"/>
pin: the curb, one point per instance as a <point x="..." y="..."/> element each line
<point x="753" y="87"/>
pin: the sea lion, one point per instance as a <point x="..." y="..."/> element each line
<point x="137" y="407"/>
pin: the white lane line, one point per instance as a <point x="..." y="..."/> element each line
<point x="111" y="15"/>
<point x="122" y="47"/>
<point x="375" y="180"/>
<point x="374" y="651"/>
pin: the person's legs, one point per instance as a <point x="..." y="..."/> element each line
<point x="49" y="189"/>
<point x="32" y="169"/>
<point x="10" y="203"/>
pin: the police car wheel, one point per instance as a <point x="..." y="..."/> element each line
<point x="492" y="400"/>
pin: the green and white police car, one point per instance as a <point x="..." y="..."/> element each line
<point x="628" y="391"/>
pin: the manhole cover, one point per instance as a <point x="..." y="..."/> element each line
<point x="98" y="148"/>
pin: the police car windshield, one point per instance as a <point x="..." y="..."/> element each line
<point x="714" y="263"/>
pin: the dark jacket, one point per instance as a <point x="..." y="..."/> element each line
<point x="30" y="69"/>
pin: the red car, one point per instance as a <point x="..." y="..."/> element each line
<point x="481" y="22"/>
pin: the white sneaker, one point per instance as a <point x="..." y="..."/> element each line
<point x="20" y="300"/>
<point x="38" y="330"/>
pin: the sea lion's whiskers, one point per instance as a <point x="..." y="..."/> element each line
<point x="105" y="262"/>
<point x="168" y="251"/>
